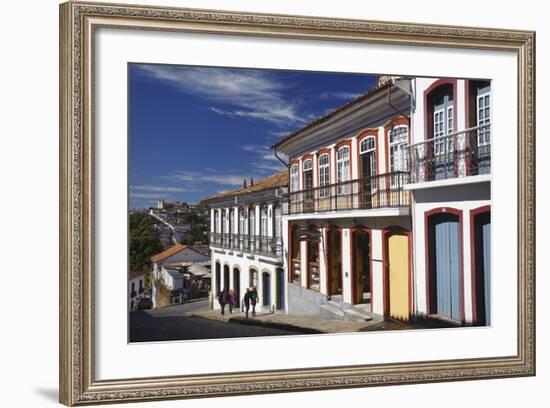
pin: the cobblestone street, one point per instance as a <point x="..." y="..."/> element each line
<point x="170" y="323"/>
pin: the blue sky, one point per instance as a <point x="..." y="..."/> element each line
<point x="196" y="131"/>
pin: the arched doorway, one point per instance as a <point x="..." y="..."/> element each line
<point x="361" y="264"/>
<point x="266" y="289"/>
<point x="397" y="274"/>
<point x="280" y="288"/>
<point x="237" y="285"/>
<point x="444" y="264"/>
<point x="217" y="281"/>
<point x="481" y="265"/>
<point x="253" y="278"/>
<point x="226" y="278"/>
<point x="334" y="255"/>
<point x="440" y="120"/>
<point x="295" y="255"/>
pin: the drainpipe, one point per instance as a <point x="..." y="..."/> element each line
<point x="279" y="158"/>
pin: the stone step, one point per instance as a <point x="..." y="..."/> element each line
<point x="357" y="315"/>
<point x="328" y="311"/>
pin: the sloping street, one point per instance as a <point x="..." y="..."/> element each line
<point x="170" y="324"/>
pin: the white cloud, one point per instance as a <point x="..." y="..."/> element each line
<point x="254" y="94"/>
<point x="264" y="159"/>
<point x="151" y="196"/>
<point x="196" y="178"/>
<point x="161" y="189"/>
<point x="339" y="95"/>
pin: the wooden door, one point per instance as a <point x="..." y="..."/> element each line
<point x="398" y="276"/>
<point x="447" y="265"/>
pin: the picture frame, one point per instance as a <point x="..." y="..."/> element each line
<point x="79" y="22"/>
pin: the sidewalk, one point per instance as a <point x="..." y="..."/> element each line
<point x="303" y="324"/>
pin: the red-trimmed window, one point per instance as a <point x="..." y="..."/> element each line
<point x="324" y="174"/>
<point x="343" y="169"/>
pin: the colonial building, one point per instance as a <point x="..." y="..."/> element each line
<point x="450" y="175"/>
<point x="387" y="213"/>
<point x="246" y="241"/>
<point x="347" y="215"/>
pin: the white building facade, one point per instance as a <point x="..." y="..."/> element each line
<point x="246" y="242"/>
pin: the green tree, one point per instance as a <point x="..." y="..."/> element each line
<point x="144" y="242"/>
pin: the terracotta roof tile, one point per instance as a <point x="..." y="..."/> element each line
<point x="279" y="179"/>
<point x="167" y="253"/>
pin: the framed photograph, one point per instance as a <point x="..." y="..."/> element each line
<point x="256" y="203"/>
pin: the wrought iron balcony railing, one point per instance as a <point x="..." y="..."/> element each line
<point x="460" y="154"/>
<point x="254" y="244"/>
<point x="381" y="191"/>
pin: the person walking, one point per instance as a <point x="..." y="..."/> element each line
<point x="246" y="301"/>
<point x="231" y="301"/>
<point x="253" y="300"/>
<point x="222" y="298"/>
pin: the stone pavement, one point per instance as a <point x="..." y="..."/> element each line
<point x="304" y="324"/>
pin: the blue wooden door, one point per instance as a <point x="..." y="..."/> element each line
<point x="280" y="289"/>
<point x="447" y="267"/>
<point x="267" y="289"/>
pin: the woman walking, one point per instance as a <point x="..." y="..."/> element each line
<point x="253" y="300"/>
<point x="222" y="298"/>
<point x="246" y="301"/>
<point x="231" y="301"/>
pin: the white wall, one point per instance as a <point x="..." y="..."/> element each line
<point x="243" y="263"/>
<point x="187" y="255"/>
<point x="31" y="92"/>
<point x="135" y="281"/>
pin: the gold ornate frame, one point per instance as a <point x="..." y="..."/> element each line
<point x="77" y="380"/>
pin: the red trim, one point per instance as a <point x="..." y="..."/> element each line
<point x="429" y="272"/>
<point x="303" y="257"/>
<point x="363" y="135"/>
<point x="319" y="153"/>
<point x="305" y="157"/>
<point x="292" y="163"/>
<point x="325" y="252"/>
<point x="353" y="271"/>
<point x="387" y="233"/>
<point x="308" y="282"/>
<point x="428" y="110"/>
<point x="473" y="214"/>
<point x="467" y="91"/>
<point x="342" y="260"/>
<point x="338" y="145"/>
<point x="394" y="122"/>
<point x="290" y="263"/>
<point x="346" y="142"/>
<point x="330" y="231"/>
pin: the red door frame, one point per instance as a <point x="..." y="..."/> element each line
<point x="473" y="214"/>
<point x="352" y="258"/>
<point x="328" y="260"/>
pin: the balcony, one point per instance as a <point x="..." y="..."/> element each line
<point x="460" y="154"/>
<point x="253" y="244"/>
<point x="381" y="191"/>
